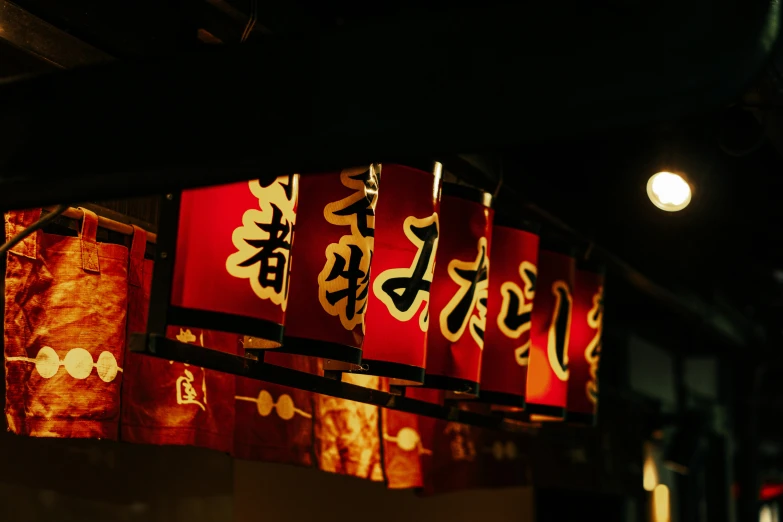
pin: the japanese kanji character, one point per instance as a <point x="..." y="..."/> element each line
<point x="403" y="290"/>
<point x="264" y="240"/>
<point x="559" y="330"/>
<point x="472" y="278"/>
<point x="478" y="322"/>
<point x="344" y="281"/>
<point x="343" y="284"/>
<point x="358" y="209"/>
<point x="516" y="310"/>
<point x="593" y="351"/>
<point x="272" y="253"/>
<point x="186" y="392"/>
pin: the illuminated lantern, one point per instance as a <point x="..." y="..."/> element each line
<point x="406" y="240"/>
<point x="584" y="349"/>
<point x="458" y="302"/>
<point x="511" y="290"/>
<point x="330" y="273"/>
<point x="232" y="261"/>
<point x="547" y="376"/>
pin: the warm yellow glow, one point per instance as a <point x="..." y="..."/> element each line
<point x="765" y="514"/>
<point x="661" y="505"/>
<point x="535" y="417"/>
<point x="650" y="472"/>
<point x="669" y="191"/>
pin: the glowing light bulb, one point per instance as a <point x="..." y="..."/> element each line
<point x="650" y="473"/>
<point x="661" y="504"/>
<point x="765" y="514"/>
<point x="669" y="191"/>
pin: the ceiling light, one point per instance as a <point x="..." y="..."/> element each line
<point x="669" y="191"/>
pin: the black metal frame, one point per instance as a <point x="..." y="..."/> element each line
<point x="163" y="313"/>
<point x="47" y="43"/>
<point x="452" y="384"/>
<point x="545" y="410"/>
<point x="397" y="371"/>
<point x="159" y="346"/>
<point x="325" y="350"/>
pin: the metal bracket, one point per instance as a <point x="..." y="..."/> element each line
<point x="159" y="346"/>
<point x="43" y="40"/>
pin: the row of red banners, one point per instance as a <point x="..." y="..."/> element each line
<point x="71" y="303"/>
<point x="392" y="275"/>
<point x="389" y="269"/>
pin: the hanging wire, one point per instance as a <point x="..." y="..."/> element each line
<point x="45" y="220"/>
<point x="251" y="22"/>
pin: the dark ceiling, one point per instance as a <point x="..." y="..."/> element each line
<point x="16" y="62"/>
<point x="727" y="241"/>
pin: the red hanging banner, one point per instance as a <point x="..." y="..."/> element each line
<point x="585" y="345"/>
<point x="427" y="429"/>
<point x="330" y="272"/>
<point x="458" y="298"/>
<point x="274" y="423"/>
<point x="64" y="330"/>
<point x="510" y="305"/>
<point x="232" y="256"/>
<point x="166" y="402"/>
<point x="139" y="285"/>
<point x="348" y="441"/>
<point x="547" y="377"/>
<point x="404" y="448"/>
<point x="455" y="463"/>
<point x="406" y="241"/>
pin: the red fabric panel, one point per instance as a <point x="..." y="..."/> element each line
<point x="403" y="447"/>
<point x="458" y="299"/>
<point x="467" y="457"/>
<point x="249" y="229"/>
<point x="335" y="224"/>
<point x="65" y="312"/>
<point x="584" y="349"/>
<point x="503" y="460"/>
<point x="427" y="428"/>
<point x="399" y="297"/>
<point x="275" y="423"/>
<point x="347" y="434"/>
<point x="166" y="402"/>
<point x="511" y="290"/>
<point x="547" y="378"/>
<point x="455" y="462"/>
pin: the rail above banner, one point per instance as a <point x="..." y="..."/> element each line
<point x="172" y="350"/>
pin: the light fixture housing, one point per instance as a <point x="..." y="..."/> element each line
<point x="669" y="191"/>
